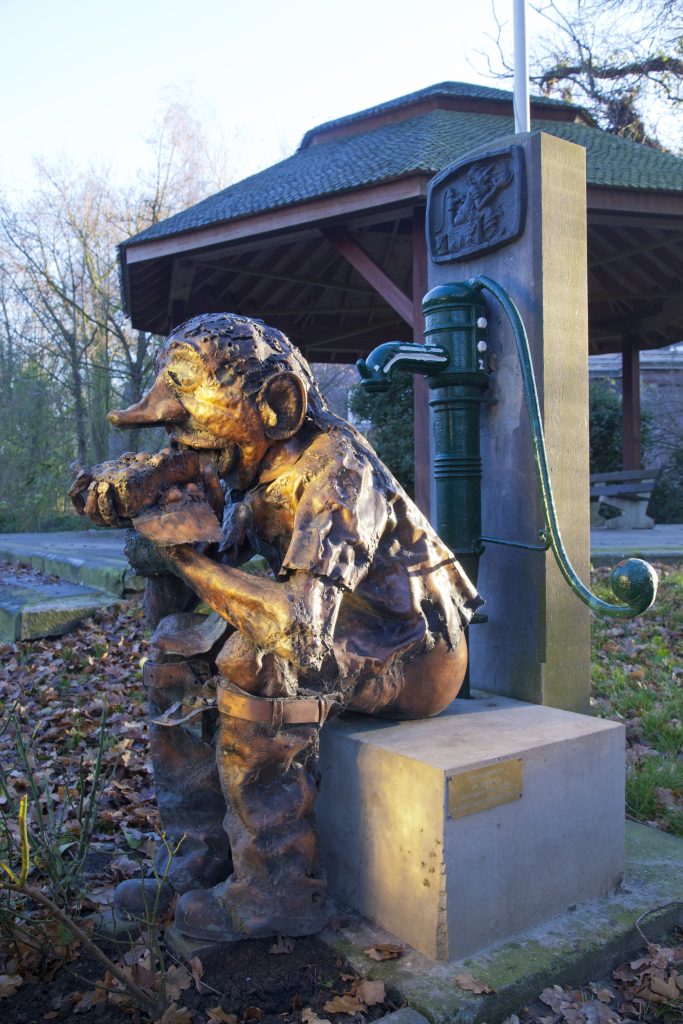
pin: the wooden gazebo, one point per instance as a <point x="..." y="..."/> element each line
<point x="329" y="244"/>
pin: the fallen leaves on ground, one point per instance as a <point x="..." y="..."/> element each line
<point x="217" y="1015"/>
<point x="469" y="983"/>
<point x="176" y="1015"/>
<point x="637" y="669"/>
<point x="648" y="988"/>
<point x="9" y="983"/>
<point x="364" y="994"/>
<point x="58" y="688"/>
<point x="370" y="992"/>
<point x="384" y="951"/>
<point x="344" y="1004"/>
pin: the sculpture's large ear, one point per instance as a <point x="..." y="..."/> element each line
<point x="282" y="403"/>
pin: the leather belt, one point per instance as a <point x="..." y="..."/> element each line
<point x="275" y="711"/>
<point x="162" y="674"/>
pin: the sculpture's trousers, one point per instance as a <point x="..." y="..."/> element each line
<point x="267" y="754"/>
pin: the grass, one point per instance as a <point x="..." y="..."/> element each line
<point x="637" y="676"/>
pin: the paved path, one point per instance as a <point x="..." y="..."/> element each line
<point x="660" y="544"/>
<point x="94" y="560"/>
<point x="93" y="557"/>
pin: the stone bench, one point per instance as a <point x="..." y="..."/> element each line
<point x="457" y="832"/>
<point x="627" y="491"/>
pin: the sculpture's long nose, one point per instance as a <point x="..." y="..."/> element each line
<point x="157" y="407"/>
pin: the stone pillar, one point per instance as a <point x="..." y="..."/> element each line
<point x="535" y="645"/>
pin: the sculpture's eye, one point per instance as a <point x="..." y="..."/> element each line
<point x="182" y="377"/>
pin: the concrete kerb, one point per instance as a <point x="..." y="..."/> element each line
<point x="90" y="557"/>
<point x="577" y="947"/>
<point x="31" y="610"/>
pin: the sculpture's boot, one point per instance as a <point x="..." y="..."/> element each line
<point x="269" y="776"/>
<point x="188" y="789"/>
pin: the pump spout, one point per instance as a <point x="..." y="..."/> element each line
<point x="376" y="370"/>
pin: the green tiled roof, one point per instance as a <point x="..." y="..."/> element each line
<point x="450" y="90"/>
<point x="427" y="143"/>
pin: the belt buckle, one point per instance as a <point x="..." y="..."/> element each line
<point x="278" y="713"/>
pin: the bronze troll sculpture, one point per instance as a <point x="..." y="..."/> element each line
<point x="363" y="609"/>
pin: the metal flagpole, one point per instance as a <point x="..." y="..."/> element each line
<point x="521" y="92"/>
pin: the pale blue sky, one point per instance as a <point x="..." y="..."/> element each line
<point x="83" y="79"/>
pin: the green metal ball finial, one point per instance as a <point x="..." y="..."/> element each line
<point x="635" y="583"/>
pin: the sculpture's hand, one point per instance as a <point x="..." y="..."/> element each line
<point x="116" y="491"/>
<point x="94" y="498"/>
<point x="82" y="478"/>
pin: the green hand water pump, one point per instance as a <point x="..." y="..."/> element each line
<point x="454" y="362"/>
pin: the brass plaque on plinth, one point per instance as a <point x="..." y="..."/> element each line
<point x="482" y="788"/>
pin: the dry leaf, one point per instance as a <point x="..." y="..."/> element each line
<point x="309" y="1016"/>
<point x="284" y="944"/>
<point x="344" y="1004"/>
<point x="50" y="1015"/>
<point x="469" y="983"/>
<point x="217" y="1015"/>
<point x="90" y="999"/>
<point x="605" y="995"/>
<point x="9" y="983"/>
<point x="370" y="992"/>
<point x="555" y="998"/>
<point x="668" y="989"/>
<point x="176" y="1015"/>
<point x="197" y="971"/>
<point x="177" y="980"/>
<point x="383" y="951"/>
<point x="593" y="1012"/>
<point x="125" y="867"/>
<point x="253" y="1013"/>
<point x="649" y="996"/>
<point x="574" y="1014"/>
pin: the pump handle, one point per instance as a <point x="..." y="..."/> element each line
<point x="633" y="580"/>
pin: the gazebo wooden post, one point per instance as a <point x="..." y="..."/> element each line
<point x="420" y="391"/>
<point x="630" y="383"/>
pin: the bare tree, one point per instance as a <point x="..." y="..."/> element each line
<point x="622" y="60"/>
<point x="61" y="318"/>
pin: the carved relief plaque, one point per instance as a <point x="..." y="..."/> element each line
<point x="476" y="205"/>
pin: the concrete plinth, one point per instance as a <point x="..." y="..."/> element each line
<point x="457" y="832"/>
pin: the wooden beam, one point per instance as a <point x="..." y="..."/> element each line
<point x="303" y="215"/>
<point x="247" y="271"/>
<point x="383" y="326"/>
<point x="370" y="272"/>
<point x="630" y="382"/>
<point x="636" y="250"/>
<point x="634" y="201"/>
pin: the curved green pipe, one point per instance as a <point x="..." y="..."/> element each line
<point x="633" y="580"/>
